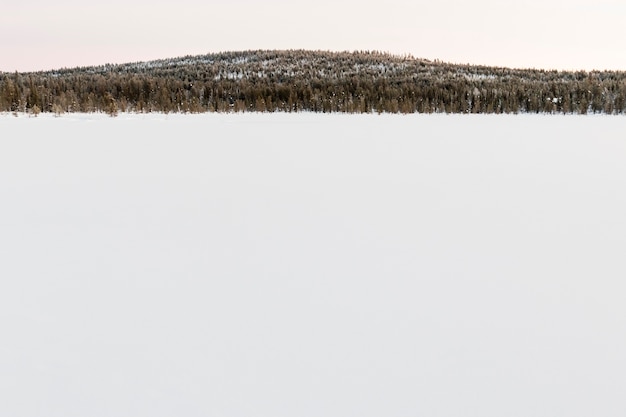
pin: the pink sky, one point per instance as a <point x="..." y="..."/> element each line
<point x="536" y="33"/>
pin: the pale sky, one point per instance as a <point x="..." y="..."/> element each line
<point x="550" y="34"/>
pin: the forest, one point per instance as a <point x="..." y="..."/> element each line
<point x="313" y="81"/>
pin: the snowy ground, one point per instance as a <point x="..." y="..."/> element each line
<point x="312" y="266"/>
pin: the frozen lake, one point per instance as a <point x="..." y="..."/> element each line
<point x="308" y="265"/>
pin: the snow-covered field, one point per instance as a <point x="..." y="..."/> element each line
<point x="312" y="266"/>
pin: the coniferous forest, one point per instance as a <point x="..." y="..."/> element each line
<point x="315" y="81"/>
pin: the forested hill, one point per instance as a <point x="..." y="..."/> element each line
<point x="353" y="82"/>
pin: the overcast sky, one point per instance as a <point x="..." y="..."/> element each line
<point x="561" y="34"/>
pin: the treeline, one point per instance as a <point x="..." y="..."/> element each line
<point x="352" y="82"/>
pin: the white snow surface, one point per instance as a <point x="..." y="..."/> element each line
<point x="283" y="265"/>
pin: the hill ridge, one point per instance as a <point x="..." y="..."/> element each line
<point x="318" y="81"/>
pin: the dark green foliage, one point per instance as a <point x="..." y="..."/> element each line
<point x="353" y="82"/>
